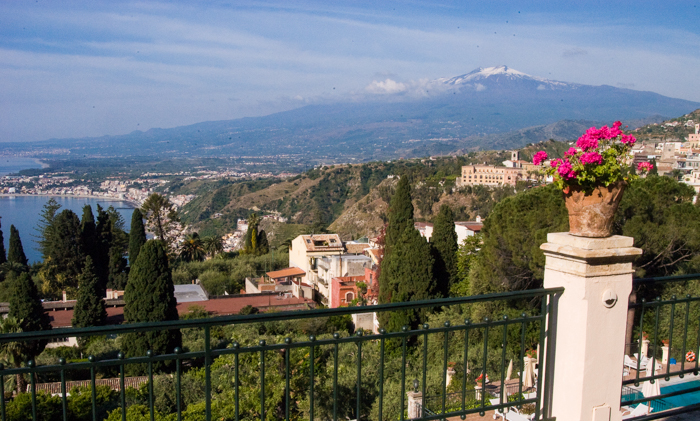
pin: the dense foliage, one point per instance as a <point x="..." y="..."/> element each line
<point x="444" y="245"/>
<point x="149" y="297"/>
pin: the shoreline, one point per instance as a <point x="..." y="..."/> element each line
<point x="74" y="196"/>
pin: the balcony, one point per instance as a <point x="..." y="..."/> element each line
<point x="506" y="363"/>
<point x="327" y="374"/>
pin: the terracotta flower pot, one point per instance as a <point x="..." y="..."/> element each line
<point x="591" y="215"/>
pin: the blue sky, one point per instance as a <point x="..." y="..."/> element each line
<point x="74" y="69"/>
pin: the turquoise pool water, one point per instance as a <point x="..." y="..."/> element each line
<point x="685" y="399"/>
<point x="672" y="402"/>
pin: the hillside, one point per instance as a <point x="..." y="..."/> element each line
<point x="674" y="129"/>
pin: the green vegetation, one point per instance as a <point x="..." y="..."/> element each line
<point x="89" y="308"/>
<point x="137" y="235"/>
<point x="15" y="253"/>
<point x="149" y="297"/>
<point x="227" y="275"/>
<point x="444" y="245"/>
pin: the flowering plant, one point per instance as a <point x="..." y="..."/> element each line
<point x="600" y="157"/>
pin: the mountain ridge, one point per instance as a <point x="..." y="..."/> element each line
<point x="476" y="110"/>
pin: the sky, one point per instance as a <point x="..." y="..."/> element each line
<point x="76" y="69"/>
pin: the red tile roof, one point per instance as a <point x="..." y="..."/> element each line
<point x="215" y="307"/>
<point x="283" y="273"/>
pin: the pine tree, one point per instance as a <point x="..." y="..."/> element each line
<point x="3" y="255"/>
<point x="25" y="305"/>
<point x="149" y="297"/>
<point x="444" y="244"/>
<point x="45" y="226"/>
<point x="400" y="218"/>
<point x="412" y="269"/>
<point x="89" y="308"/>
<point x="137" y="236"/>
<point x="15" y="253"/>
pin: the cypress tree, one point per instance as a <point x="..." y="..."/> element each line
<point x="137" y="236"/>
<point x="66" y="247"/>
<point x="88" y="231"/>
<point x="25" y="305"/>
<point x="150" y="297"/>
<point x="400" y="218"/>
<point x="263" y="245"/>
<point x="412" y="280"/>
<point x="103" y="234"/>
<point x="3" y="256"/>
<point x="117" y="269"/>
<point x="15" y="253"/>
<point x="444" y="245"/>
<point x="400" y="213"/>
<point x="89" y="308"/>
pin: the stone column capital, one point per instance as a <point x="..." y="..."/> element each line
<point x="590" y="257"/>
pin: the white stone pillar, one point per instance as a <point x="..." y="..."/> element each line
<point x="664" y="354"/>
<point x="449" y="375"/>
<point x="589" y="323"/>
<point x="415" y="401"/>
<point x="645" y="348"/>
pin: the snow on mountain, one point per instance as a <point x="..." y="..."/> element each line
<point x="497" y="74"/>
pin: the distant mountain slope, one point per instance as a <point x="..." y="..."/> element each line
<point x="470" y="111"/>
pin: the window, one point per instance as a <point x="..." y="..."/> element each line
<point x="349" y="297"/>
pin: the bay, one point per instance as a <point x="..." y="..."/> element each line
<point x="24" y="212"/>
<point x="11" y="164"/>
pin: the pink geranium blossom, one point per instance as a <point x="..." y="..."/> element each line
<point x="571" y="152"/>
<point x="645" y="167"/>
<point x="566" y="171"/>
<point x="588" y="141"/>
<point x="628" y="139"/>
<point x="591" y="158"/>
<point x="539" y="157"/>
<point x="556" y="162"/>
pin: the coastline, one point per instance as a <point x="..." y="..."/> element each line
<point x="75" y="196"/>
<point x="42" y="163"/>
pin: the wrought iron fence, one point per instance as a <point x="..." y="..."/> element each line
<point x="665" y="340"/>
<point x="315" y="376"/>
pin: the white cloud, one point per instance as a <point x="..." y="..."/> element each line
<point x="385" y="87"/>
<point x="479" y="87"/>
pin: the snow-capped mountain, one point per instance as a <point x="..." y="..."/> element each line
<point x="474" y="110"/>
<point x="500" y="75"/>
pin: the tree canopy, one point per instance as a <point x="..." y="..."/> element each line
<point x="15" y="253"/>
<point x="89" y="308"/>
<point x="150" y="297"/>
<point x="137" y="235"/>
<point x="444" y="244"/>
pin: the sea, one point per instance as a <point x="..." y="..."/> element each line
<point x="24" y="211"/>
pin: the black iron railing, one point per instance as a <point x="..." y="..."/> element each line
<point x="323" y="375"/>
<point x="666" y="315"/>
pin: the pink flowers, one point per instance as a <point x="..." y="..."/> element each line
<point x="645" y="167"/>
<point x="591" y="158"/>
<point x="600" y="157"/>
<point x="566" y="171"/>
<point x="589" y="140"/>
<point x="539" y="157"/>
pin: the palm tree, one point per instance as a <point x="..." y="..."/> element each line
<point x="213" y="245"/>
<point x="14" y="352"/>
<point x="192" y="248"/>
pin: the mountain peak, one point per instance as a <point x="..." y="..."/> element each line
<point x="501" y="73"/>
<point x="497" y="70"/>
